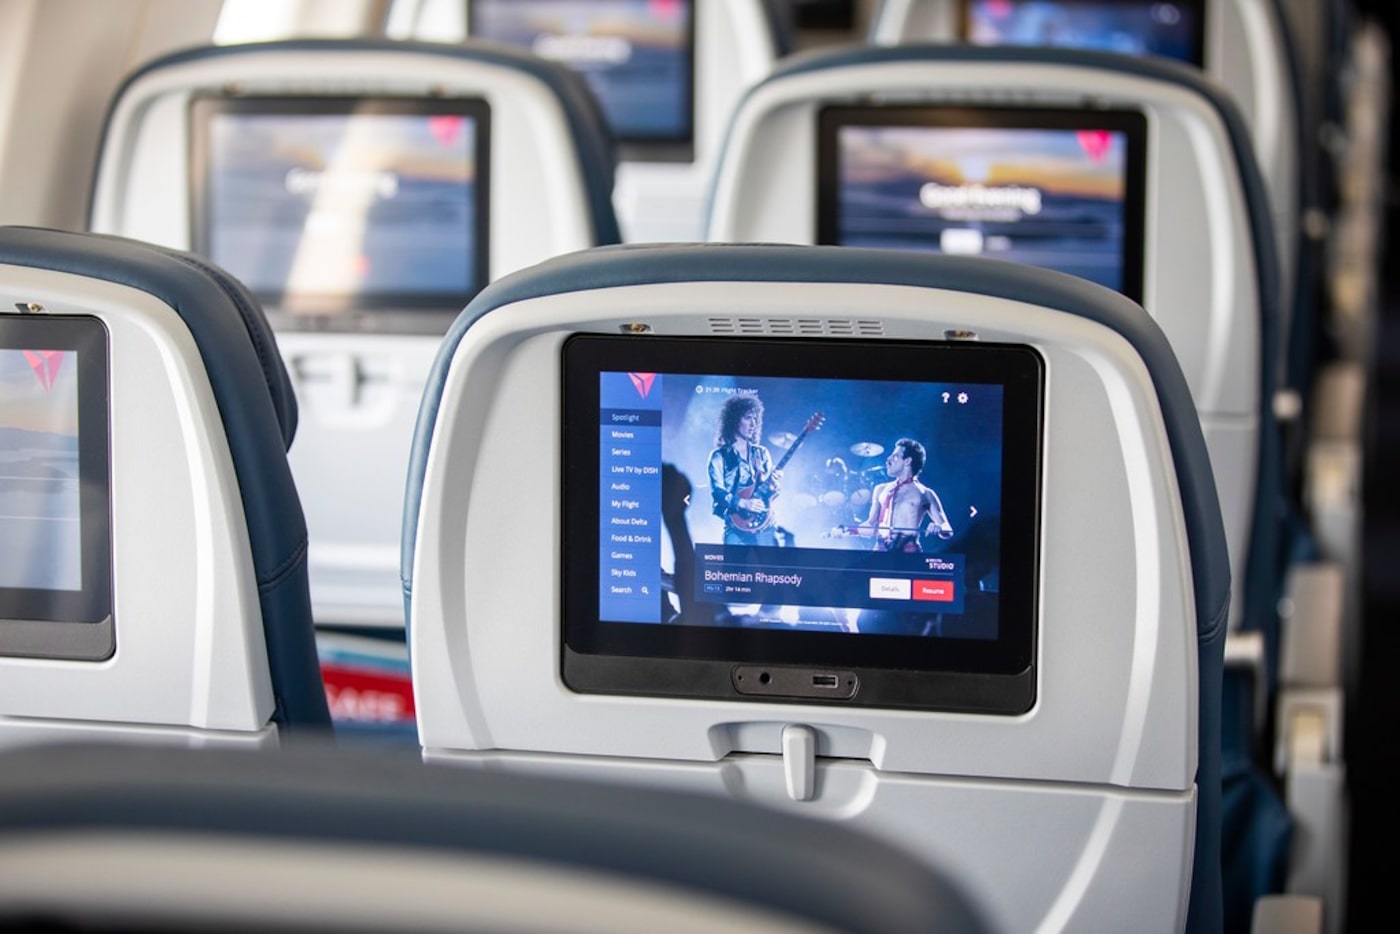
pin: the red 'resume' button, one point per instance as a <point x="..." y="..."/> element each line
<point x="939" y="591"/>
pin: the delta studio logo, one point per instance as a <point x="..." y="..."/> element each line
<point x="642" y="382"/>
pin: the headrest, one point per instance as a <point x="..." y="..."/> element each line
<point x="585" y="118"/>
<point x="1155" y="69"/>
<point x="639" y="265"/>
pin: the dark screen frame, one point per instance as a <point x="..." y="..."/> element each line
<point x="398" y="312"/>
<point x="1131" y="123"/>
<point x="63" y="624"/>
<point x="1198" y="7"/>
<point x="641" y="147"/>
<point x="924" y="672"/>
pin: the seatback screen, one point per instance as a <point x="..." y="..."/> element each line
<point x="1131" y="27"/>
<point x="636" y="55"/>
<point x="55" y="549"/>
<point x="766" y="503"/>
<point x="328" y="206"/>
<point x="1059" y="189"/>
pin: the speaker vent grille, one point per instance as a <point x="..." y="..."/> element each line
<point x="799" y="327"/>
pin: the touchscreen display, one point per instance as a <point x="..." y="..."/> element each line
<point x="1131" y="27"/>
<point x="636" y="55"/>
<point x="1057" y="189"/>
<point x="327" y="205"/>
<point x="55" y="564"/>
<point x="39" y="462"/>
<point x="856" y="506"/>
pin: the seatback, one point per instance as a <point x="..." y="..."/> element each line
<point x="1240" y="43"/>
<point x="668" y="104"/>
<point x="469" y="152"/>
<point x="1208" y="275"/>
<point x="328" y="839"/>
<point x="1106" y="738"/>
<point x="196" y="625"/>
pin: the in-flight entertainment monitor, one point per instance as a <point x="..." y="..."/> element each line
<point x="345" y="212"/>
<point x="814" y="520"/>
<point x="638" y="56"/>
<point x="1131" y="27"/>
<point x="1060" y="189"/>
<point x="55" y="539"/>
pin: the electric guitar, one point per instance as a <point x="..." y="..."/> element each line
<point x="751" y="511"/>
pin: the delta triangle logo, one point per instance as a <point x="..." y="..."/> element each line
<point x="642" y="382"/>
<point x="1095" y="143"/>
<point x="445" y="128"/>
<point x="45" y="364"/>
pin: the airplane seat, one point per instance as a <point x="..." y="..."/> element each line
<point x="666" y="106"/>
<point x="146" y="421"/>
<point x="313" y="839"/>
<point x="945" y="147"/>
<point x="364" y="190"/>
<point x="1021" y="698"/>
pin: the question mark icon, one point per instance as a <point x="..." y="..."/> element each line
<point x="945" y="398"/>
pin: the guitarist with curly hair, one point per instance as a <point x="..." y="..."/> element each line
<point x="742" y="478"/>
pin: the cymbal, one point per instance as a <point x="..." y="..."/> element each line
<point x="866" y="448"/>
<point x="782" y="439"/>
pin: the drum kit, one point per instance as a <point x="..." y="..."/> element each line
<point x="843" y="490"/>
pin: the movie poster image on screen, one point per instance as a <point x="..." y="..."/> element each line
<point x="823" y="550"/>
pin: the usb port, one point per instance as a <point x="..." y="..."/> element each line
<point x="825" y="681"/>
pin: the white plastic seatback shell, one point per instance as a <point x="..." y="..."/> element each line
<point x="1247" y="54"/>
<point x="359" y="392"/>
<point x="899" y="21"/>
<point x="538" y="199"/>
<point x="1118" y="632"/>
<point x="1199" y="273"/>
<point x="357" y="399"/>
<point x="1244" y="52"/>
<point x="190" y="651"/>
<point x="1105" y="758"/>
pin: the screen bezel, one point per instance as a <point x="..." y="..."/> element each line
<point x="634" y="147"/>
<point x="399" y="312"/>
<point x="924" y="672"/>
<point x="66" y="624"/>
<point x="1198" y="7"/>
<point x="1131" y="123"/>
